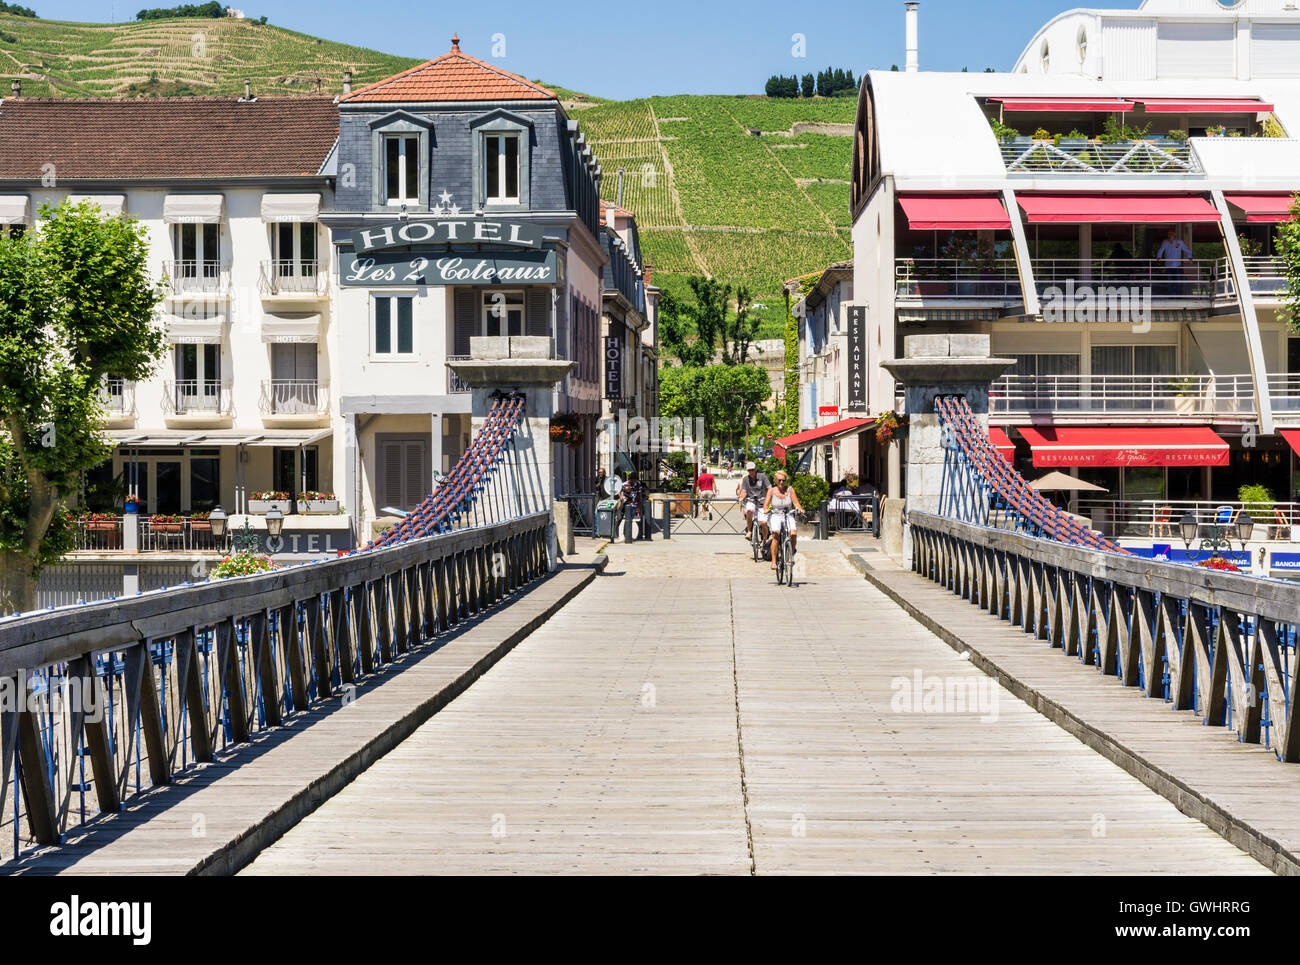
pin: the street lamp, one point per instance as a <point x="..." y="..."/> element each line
<point x="1220" y="537"/>
<point x="274" y="523"/>
<point x="217" y="519"/>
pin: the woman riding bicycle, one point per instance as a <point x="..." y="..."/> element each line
<point x="779" y="507"/>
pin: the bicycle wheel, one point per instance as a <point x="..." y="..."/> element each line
<point x="781" y="561"/>
<point x="756" y="541"/>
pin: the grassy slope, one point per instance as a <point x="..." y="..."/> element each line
<point x="195" y="56"/>
<point x="711" y="198"/>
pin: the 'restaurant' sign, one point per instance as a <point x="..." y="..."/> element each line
<point x="447" y="268"/>
<point x="447" y="231"/>
<point x="857" y="359"/>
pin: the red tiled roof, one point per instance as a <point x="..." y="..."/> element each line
<point x="169" y="138"/>
<point x="455" y="76"/>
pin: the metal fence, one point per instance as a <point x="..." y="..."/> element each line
<point x="1161" y="518"/>
<point x="1220" y="645"/>
<point x="116" y="698"/>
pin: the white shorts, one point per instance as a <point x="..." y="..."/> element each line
<point x="780" y="521"/>
<point x="750" y="507"/>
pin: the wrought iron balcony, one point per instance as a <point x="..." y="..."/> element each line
<point x="118" y="397"/>
<point x="454" y="384"/>
<point x="294" y="397"/>
<point x="291" y="277"/>
<point x="197" y="397"/>
<point x="206" y="276"/>
<point x="1143" y="395"/>
<point x="1027" y="157"/>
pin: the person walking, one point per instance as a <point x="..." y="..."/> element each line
<point x="707" y="488"/>
<point x="1173" y="251"/>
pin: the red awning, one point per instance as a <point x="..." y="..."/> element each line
<point x="1116" y="208"/>
<point x="1126" y="446"/>
<point x="1293" y="437"/>
<point x="1204" y="105"/>
<point x="826" y="433"/>
<point x="1002" y="442"/>
<point x="1075" y="105"/>
<point x="1262" y="208"/>
<point x="954" y="212"/>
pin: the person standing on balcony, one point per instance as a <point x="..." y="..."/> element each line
<point x="1173" y="251"/>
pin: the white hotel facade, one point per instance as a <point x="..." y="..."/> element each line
<point x="1013" y="234"/>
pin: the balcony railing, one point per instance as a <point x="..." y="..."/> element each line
<point x="294" y="397"/>
<point x="290" y="277"/>
<point x="1191" y="395"/>
<point x="1159" y="518"/>
<point x="158" y="534"/>
<point x="206" y="276"/>
<point x="954" y="279"/>
<point x="454" y="384"/>
<point x="197" y="397"/>
<point x="1266" y="274"/>
<point x="118" y="397"/>
<point x="1194" y="279"/>
<point x="1284" y="391"/>
<point x="1024" y="156"/>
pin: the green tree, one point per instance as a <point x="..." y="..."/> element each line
<point x="731" y="395"/>
<point x="76" y="306"/>
<point x="1288" y="246"/>
<point x="691" y="329"/>
<point x="739" y="332"/>
<point x="790" y="404"/>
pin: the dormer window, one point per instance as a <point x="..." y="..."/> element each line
<point x="501" y="157"/>
<point x="402" y="169"/>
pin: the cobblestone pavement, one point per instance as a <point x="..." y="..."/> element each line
<point x="717" y="557"/>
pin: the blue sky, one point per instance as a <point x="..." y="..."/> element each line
<point x="619" y="49"/>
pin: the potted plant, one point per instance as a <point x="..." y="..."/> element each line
<point x="199" y="523"/>
<point x="241" y="564"/>
<point x="887" y="428"/>
<point x="131" y="504"/>
<point x="1076" y="138"/>
<point x="166" y="524"/>
<point x="1218" y="130"/>
<point x="99" y="522"/>
<point x="317" y="503"/>
<point x="1184" y="389"/>
<point x="1219" y="563"/>
<point x="265" y="501"/>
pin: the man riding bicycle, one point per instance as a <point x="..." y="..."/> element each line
<point x="750" y="492"/>
<point x="779" y="507"/>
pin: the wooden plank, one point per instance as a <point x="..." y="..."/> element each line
<point x="38" y="794"/>
<point x="263" y="657"/>
<point x="190" y="681"/>
<point x="151" y="723"/>
<point x="228" y="672"/>
<point x="291" y="645"/>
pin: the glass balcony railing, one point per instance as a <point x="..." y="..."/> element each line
<point x="1173" y="395"/>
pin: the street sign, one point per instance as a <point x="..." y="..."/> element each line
<point x="613" y="486"/>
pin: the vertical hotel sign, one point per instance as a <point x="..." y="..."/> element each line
<point x="613" y="367"/>
<point x="857" y="359"/>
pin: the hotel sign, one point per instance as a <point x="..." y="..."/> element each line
<point x="613" y="367"/>
<point x="447" y="268"/>
<point x="857" y="359"/>
<point x="447" y="231"/>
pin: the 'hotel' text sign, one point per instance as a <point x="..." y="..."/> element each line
<point x="449" y="268"/>
<point x="447" y="231"/>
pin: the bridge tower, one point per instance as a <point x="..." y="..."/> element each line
<point x="933" y="366"/>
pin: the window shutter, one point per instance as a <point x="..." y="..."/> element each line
<point x="416" y="477"/>
<point x="305" y="362"/>
<point x="465" y="322"/>
<point x="538" y="313"/>
<point x="390" y="475"/>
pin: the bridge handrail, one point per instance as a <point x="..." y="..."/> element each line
<point x="1192" y="636"/>
<point x="177" y="669"/>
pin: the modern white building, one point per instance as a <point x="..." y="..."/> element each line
<point x="1107" y="214"/>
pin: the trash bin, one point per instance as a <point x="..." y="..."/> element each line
<point x="605" y="518"/>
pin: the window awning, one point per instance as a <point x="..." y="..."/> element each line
<point x="1204" y="105"/>
<point x="290" y="328"/>
<point x="15" y="209"/>
<point x="954" y="212"/>
<point x="193" y="208"/>
<point x="186" y="330"/>
<point x="1076" y="105"/>
<point x="1002" y="443"/>
<point x="1262" y="208"/>
<point x="290" y="207"/>
<point x="826" y="433"/>
<point x="1126" y="446"/>
<point x="113" y="205"/>
<point x="135" y="439"/>
<point x="1292" y="436"/>
<point x="1116" y="208"/>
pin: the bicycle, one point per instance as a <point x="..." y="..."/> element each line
<point x="785" y="551"/>
<point x="756" y="537"/>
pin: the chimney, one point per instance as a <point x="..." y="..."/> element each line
<point x="347" y="82"/>
<point x="17" y="87"/>
<point x="248" y="89"/>
<point x="913" y="63"/>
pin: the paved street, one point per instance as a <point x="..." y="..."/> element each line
<point x="684" y="714"/>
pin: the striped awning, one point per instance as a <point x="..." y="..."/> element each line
<point x="193" y="208"/>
